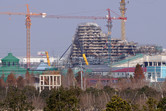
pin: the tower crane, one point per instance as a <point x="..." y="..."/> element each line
<point x="109" y="25"/>
<point x="123" y="11"/>
<point x="28" y="27"/>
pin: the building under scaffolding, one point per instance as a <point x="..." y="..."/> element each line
<point x="90" y="40"/>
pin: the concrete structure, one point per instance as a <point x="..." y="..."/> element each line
<point x="49" y="81"/>
<point x="90" y="39"/>
<point x="125" y="72"/>
<point x="145" y="60"/>
<point x="156" y="73"/>
<point x="36" y="60"/>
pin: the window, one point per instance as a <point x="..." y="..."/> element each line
<point x="158" y="74"/>
<point x="8" y="63"/>
<point x="13" y="63"/>
<point x="4" y="63"/>
<point x="149" y="75"/>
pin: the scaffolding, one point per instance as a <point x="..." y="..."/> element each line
<point x="94" y="43"/>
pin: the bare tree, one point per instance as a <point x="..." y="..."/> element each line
<point x="20" y="82"/>
<point x="28" y="79"/>
<point x="138" y="73"/>
<point x="11" y="80"/>
<point x="70" y="79"/>
<point x="2" y="82"/>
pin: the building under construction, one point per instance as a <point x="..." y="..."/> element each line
<point x="91" y="41"/>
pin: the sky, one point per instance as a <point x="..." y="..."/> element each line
<point x="145" y="23"/>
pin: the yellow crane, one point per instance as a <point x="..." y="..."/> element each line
<point x="85" y="59"/>
<point x="48" y="60"/>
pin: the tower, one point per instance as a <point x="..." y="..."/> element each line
<point x="123" y="11"/>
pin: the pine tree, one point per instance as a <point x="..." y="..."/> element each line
<point x="63" y="100"/>
<point x="162" y="104"/>
<point x="151" y="105"/>
<point x="16" y="100"/>
<point x="118" y="104"/>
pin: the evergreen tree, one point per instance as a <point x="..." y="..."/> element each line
<point x="162" y="104"/>
<point x="63" y="100"/>
<point x="117" y="104"/>
<point x="16" y="101"/>
<point x="151" y="105"/>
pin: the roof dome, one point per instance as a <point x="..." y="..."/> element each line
<point x="10" y="58"/>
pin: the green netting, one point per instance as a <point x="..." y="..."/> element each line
<point x="129" y="59"/>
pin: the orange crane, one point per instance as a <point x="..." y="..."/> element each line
<point x="28" y="27"/>
<point x="109" y="25"/>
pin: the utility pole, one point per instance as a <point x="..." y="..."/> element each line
<point x="81" y="77"/>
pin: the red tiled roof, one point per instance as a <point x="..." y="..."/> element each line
<point x="131" y="69"/>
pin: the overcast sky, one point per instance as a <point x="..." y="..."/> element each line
<point x="146" y="23"/>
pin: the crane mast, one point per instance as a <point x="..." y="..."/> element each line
<point x="108" y="18"/>
<point x="123" y="11"/>
<point x="109" y="25"/>
<point x="28" y="26"/>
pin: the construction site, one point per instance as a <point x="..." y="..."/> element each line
<point x="91" y="49"/>
<point x="90" y="55"/>
<point x="90" y="40"/>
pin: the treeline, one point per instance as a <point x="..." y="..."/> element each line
<point x="128" y="94"/>
<point x="20" y="81"/>
<point x="75" y="99"/>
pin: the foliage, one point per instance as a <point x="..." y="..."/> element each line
<point x="148" y="91"/>
<point x="162" y="104"/>
<point x="30" y="92"/>
<point x="93" y="91"/>
<point x="151" y="105"/>
<point x="109" y="90"/>
<point x="118" y="104"/>
<point x="16" y="101"/>
<point x="45" y="93"/>
<point x="138" y="73"/>
<point x="63" y="100"/>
